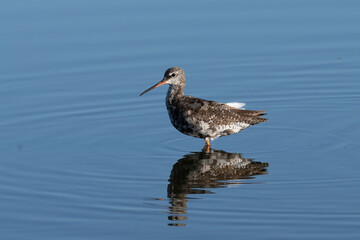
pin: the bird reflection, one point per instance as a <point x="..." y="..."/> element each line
<point x="198" y="172"/>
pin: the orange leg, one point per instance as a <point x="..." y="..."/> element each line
<point x="207" y="148"/>
<point x="207" y="145"/>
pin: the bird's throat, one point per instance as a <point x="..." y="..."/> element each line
<point x="174" y="92"/>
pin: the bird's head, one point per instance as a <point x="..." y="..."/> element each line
<point x="172" y="76"/>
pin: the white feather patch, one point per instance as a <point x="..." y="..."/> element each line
<point x="236" y="105"/>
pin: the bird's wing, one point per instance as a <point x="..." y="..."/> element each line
<point x="218" y="113"/>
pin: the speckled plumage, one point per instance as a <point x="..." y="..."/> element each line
<point x="199" y="117"/>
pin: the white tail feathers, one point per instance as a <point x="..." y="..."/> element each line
<point x="236" y="105"/>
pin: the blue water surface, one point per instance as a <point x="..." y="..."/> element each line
<point x="82" y="156"/>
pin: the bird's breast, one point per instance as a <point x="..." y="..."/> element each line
<point x="181" y="118"/>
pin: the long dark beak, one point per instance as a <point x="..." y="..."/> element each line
<point x="162" y="82"/>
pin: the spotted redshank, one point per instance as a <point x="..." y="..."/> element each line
<point x="203" y="118"/>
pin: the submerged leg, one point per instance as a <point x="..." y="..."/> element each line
<point x="206" y="149"/>
<point x="207" y="145"/>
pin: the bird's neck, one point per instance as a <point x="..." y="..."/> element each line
<point x="174" y="91"/>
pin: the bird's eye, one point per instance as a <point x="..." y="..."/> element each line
<point x="173" y="75"/>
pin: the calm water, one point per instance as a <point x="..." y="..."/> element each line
<point x="84" y="157"/>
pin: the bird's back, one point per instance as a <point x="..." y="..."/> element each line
<point x="203" y="118"/>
